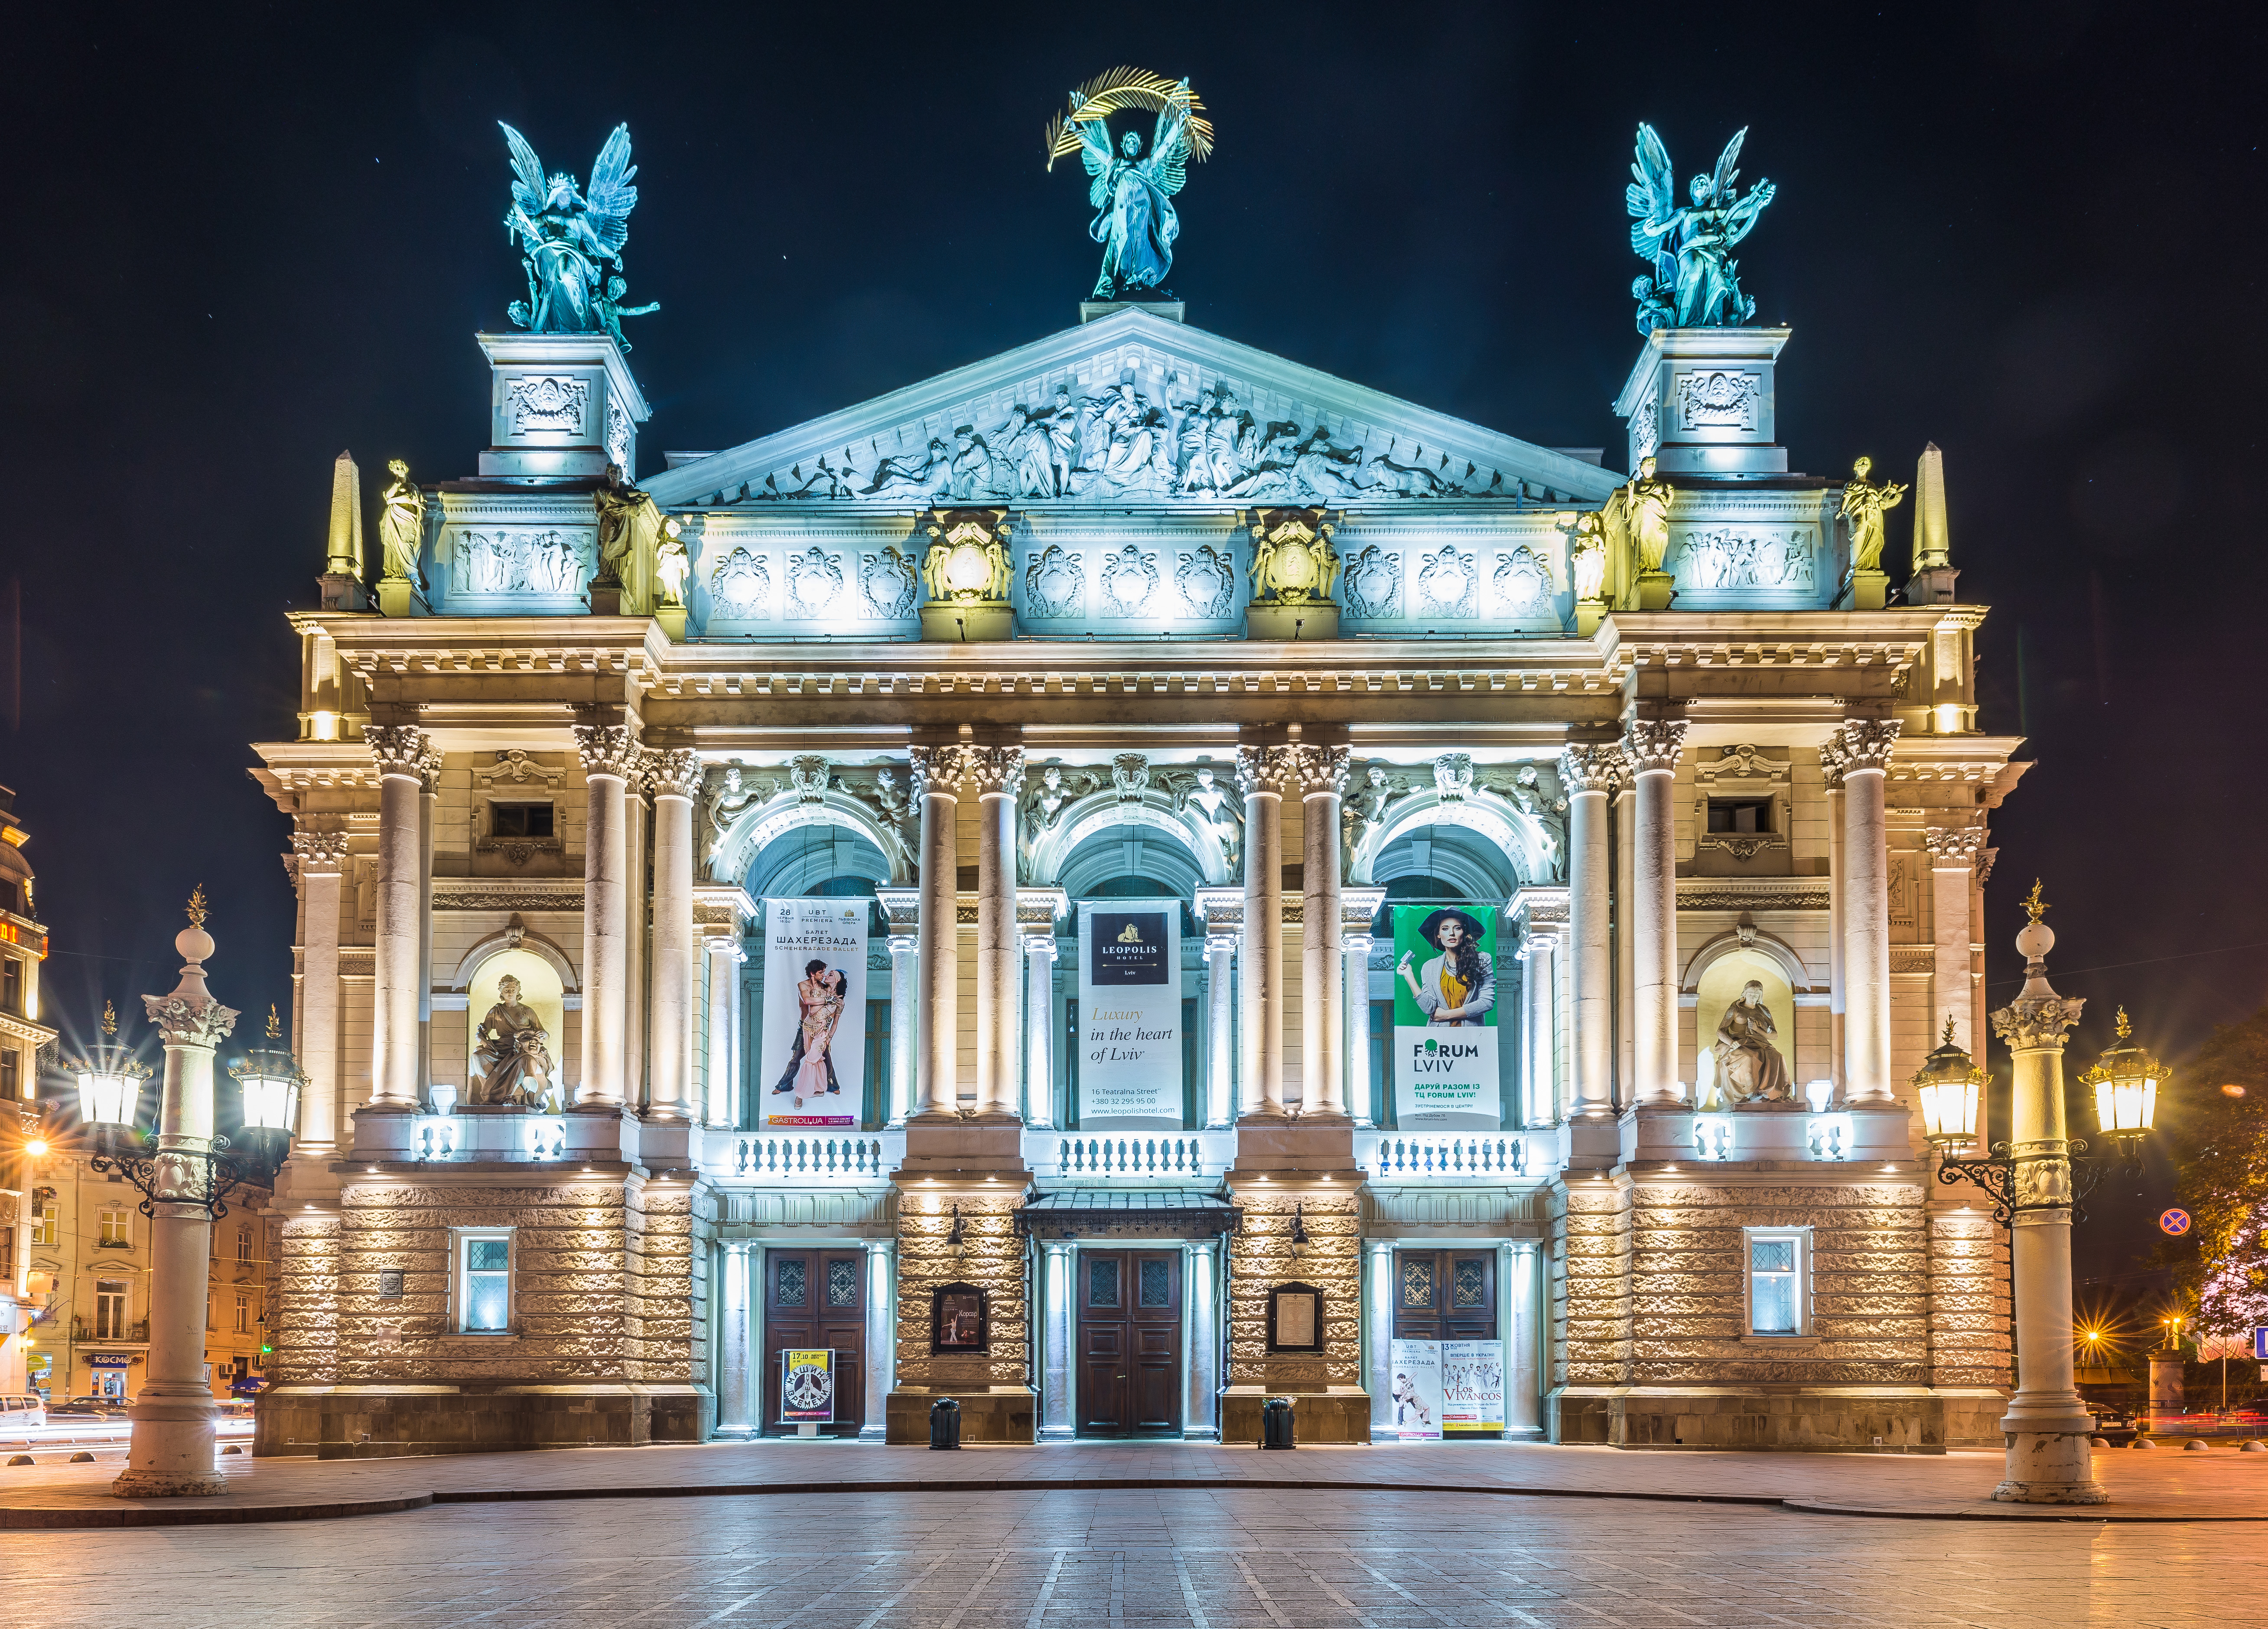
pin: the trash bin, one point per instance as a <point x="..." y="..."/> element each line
<point x="945" y="1423"/>
<point x="1276" y="1429"/>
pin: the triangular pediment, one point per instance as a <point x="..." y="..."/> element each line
<point x="1133" y="408"/>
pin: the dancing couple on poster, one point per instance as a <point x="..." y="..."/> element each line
<point x="810" y="1071"/>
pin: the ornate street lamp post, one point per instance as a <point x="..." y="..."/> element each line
<point x="171" y="1453"/>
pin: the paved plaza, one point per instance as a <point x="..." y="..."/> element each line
<point x="837" y="1536"/>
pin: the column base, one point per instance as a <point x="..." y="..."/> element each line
<point x="156" y="1484"/>
<point x="2050" y="1468"/>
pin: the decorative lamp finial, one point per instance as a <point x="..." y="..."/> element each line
<point x="2125" y="1029"/>
<point x="109" y="1020"/>
<point x="198" y="906"/>
<point x="1946" y="1038"/>
<point x="276" y="1028"/>
<point x="2035" y="907"/>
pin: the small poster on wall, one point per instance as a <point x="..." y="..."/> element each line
<point x="1472" y="1386"/>
<point x="1416" y="1389"/>
<point x="1445" y="1039"/>
<point x="957" y="1320"/>
<point x="814" y="1047"/>
<point x="807" y="1387"/>
<point x="1130" y="1019"/>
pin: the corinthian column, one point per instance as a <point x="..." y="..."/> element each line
<point x="1039" y="1027"/>
<point x="1952" y="866"/>
<point x="609" y="757"/>
<point x="173" y="1447"/>
<point x="1866" y="750"/>
<point x="428" y="816"/>
<point x="936" y="772"/>
<point x="399" y="752"/>
<point x="1221" y="998"/>
<point x="1320" y="774"/>
<point x="998" y="773"/>
<point x="320" y="856"/>
<point x="1590" y="773"/>
<point x="676" y="777"/>
<point x="1830" y="770"/>
<point x="2047" y="1424"/>
<point x="1654" y="746"/>
<point x="1260" y="990"/>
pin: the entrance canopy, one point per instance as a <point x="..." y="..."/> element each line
<point x="1150" y="1212"/>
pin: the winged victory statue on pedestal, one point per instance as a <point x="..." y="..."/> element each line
<point x="1695" y="282"/>
<point x="572" y="240"/>
<point x="1132" y="194"/>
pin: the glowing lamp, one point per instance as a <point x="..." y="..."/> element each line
<point x="1951" y="1090"/>
<point x="110" y="1081"/>
<point x="270" y="1079"/>
<point x="2126" y="1082"/>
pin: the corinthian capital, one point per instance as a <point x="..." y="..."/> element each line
<point x="1261" y="768"/>
<point x="1865" y="743"/>
<point x="1318" y="770"/>
<point x="939" y="769"/>
<point x="398" y="748"/>
<point x="429" y="768"/>
<point x="673" y="772"/>
<point x="185" y="1020"/>
<point x="995" y="769"/>
<point x="607" y="749"/>
<point x="318" y="851"/>
<point x="1832" y="762"/>
<point x="1954" y="848"/>
<point x="1597" y="768"/>
<point x="1654" y="744"/>
<point x="2027" y="1025"/>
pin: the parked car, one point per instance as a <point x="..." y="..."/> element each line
<point x="88" y="1408"/>
<point x="20" y="1413"/>
<point x="234" y="1408"/>
<point x="2115" y="1426"/>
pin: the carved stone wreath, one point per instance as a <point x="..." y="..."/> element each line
<point x="1373" y="582"/>
<point x="814" y="581"/>
<point x="886" y="580"/>
<point x="1449" y="581"/>
<point x="1055" y="583"/>
<point x="1129" y="578"/>
<point x="1206" y="579"/>
<point x="741" y="588"/>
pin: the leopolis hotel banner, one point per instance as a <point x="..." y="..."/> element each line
<point x="1130" y="1018"/>
<point x="1445" y="1037"/>
<point x="813" y="1067"/>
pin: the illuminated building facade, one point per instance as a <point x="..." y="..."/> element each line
<point x="1009" y="921"/>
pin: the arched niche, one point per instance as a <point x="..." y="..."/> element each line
<point x="540" y="987"/>
<point x="1771" y="948"/>
<point x="1128" y="839"/>
<point x="807" y="858"/>
<point x="1509" y="846"/>
<point x="740" y="853"/>
<point x="1719" y="986"/>
<point x="1470" y="859"/>
<point x="514" y="936"/>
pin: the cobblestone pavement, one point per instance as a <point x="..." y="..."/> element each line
<point x="1217" y="1558"/>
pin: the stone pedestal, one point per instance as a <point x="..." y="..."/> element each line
<point x="985" y="623"/>
<point x="1588" y="614"/>
<point x="1864" y="591"/>
<point x="671" y="618"/>
<point x="398" y="596"/>
<point x="606" y="599"/>
<point x="1656" y="590"/>
<point x="1269" y="619"/>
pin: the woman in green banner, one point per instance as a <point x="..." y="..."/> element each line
<point x="1458" y="985"/>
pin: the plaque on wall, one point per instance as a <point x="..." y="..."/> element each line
<point x="958" y="1319"/>
<point x="389" y="1283"/>
<point x="1295" y="1318"/>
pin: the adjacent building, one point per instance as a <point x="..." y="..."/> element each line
<point x="23" y="949"/>
<point x="1126" y="880"/>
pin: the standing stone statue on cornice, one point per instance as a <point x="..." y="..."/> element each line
<point x="572" y="239"/>
<point x="1863" y="504"/>
<point x="623" y="512"/>
<point x="1695" y="282"/>
<point x="401" y="525"/>
<point x="1132" y="194"/>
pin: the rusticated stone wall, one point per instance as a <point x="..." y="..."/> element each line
<point x="1869" y="1283"/>
<point x="1260" y="1256"/>
<point x="668" y="1234"/>
<point x="570" y="1317"/>
<point x="991" y="1257"/>
<point x="1590" y="1267"/>
<point x="1968" y="1300"/>
<point x="306" y="1317"/>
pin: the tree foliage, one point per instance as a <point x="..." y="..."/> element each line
<point x="2220" y="1140"/>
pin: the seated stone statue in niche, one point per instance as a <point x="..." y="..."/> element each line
<point x="1749" y="1068"/>
<point x="515" y="1064"/>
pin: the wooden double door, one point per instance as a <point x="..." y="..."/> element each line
<point x="816" y="1298"/>
<point x="1446" y="1295"/>
<point x="1129" y="1343"/>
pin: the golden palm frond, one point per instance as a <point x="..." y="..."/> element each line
<point x="1125" y="88"/>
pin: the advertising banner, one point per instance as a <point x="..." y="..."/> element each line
<point x="813" y="1066"/>
<point x="1416" y="1389"/>
<point x="1130" y="1018"/>
<point x="1472" y="1386"/>
<point x="808" y="1387"/>
<point x="1444" y="1062"/>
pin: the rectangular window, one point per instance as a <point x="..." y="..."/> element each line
<point x="244" y="1244"/>
<point x="1780" y="1302"/>
<point x="1740" y="816"/>
<point x="11" y="985"/>
<point x="520" y="820"/>
<point x="484" y="1283"/>
<point x="11" y="1076"/>
<point x="43" y="1224"/>
<point x="243" y="1315"/>
<point x="876" y="1107"/>
<point x="110" y="1309"/>
<point x="113" y="1231"/>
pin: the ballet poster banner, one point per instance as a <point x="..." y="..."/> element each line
<point x="814" y="1064"/>
<point x="1130" y="1019"/>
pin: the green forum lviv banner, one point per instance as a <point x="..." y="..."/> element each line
<point x="1444" y="1040"/>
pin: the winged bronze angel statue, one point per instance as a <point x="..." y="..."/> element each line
<point x="1695" y="283"/>
<point x="573" y="239"/>
<point x="1132" y="194"/>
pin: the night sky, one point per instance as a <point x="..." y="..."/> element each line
<point x="249" y="237"/>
